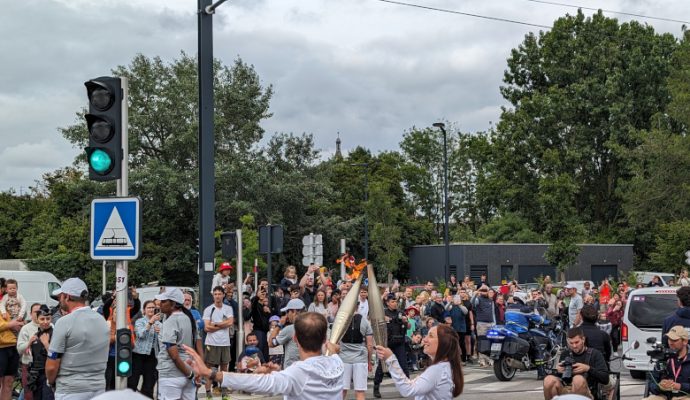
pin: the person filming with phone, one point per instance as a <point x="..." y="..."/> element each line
<point x="674" y="381"/>
<point x="579" y="371"/>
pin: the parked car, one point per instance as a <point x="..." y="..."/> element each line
<point x="35" y="286"/>
<point x="644" y="317"/>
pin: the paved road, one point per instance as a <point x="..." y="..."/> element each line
<point x="481" y="384"/>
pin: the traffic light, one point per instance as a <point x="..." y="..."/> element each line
<point x="228" y="244"/>
<point x="104" y="122"/>
<point x="123" y="352"/>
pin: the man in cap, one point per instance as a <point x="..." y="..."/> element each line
<point x="314" y="377"/>
<point x="676" y="385"/>
<point x="285" y="335"/>
<point x="78" y="351"/>
<point x="575" y="305"/>
<point x="176" y="378"/>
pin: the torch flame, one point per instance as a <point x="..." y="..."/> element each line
<point x="350" y="264"/>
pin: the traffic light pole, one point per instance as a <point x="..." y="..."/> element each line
<point x="207" y="209"/>
<point x="121" y="283"/>
<point x="238" y="291"/>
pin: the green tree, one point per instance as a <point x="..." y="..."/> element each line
<point x="672" y="242"/>
<point x="571" y="98"/>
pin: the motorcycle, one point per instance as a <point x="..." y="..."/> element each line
<point x="511" y="353"/>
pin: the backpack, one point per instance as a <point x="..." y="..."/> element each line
<point x="354" y="333"/>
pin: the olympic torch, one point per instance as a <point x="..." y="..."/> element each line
<point x="377" y="315"/>
<point x="345" y="313"/>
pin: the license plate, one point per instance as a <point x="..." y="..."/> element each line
<point x="496" y="346"/>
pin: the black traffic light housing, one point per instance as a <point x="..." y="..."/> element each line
<point x="104" y="122"/>
<point x="228" y="244"/>
<point x="123" y="352"/>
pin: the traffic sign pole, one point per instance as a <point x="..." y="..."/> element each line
<point x="121" y="284"/>
<point x="238" y="291"/>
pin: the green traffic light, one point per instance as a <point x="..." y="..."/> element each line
<point x="123" y="367"/>
<point x="100" y="161"/>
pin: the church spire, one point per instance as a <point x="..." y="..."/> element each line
<point x="338" y="154"/>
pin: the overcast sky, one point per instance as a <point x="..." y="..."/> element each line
<point x="365" y="68"/>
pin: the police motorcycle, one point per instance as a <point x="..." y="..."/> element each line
<point x="511" y="353"/>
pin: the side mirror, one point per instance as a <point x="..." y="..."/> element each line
<point x="635" y="345"/>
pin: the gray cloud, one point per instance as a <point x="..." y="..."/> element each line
<point x="367" y="69"/>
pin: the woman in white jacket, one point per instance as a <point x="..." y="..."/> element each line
<point x="442" y="380"/>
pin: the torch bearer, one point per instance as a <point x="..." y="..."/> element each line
<point x="345" y="313"/>
<point x="377" y="315"/>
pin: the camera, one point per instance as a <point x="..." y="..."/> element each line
<point x="661" y="354"/>
<point x="567" y="375"/>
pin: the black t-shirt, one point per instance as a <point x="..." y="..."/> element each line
<point x="39" y="352"/>
<point x="598" y="371"/>
<point x="597" y="339"/>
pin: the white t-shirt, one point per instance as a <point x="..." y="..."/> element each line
<point x="214" y="314"/>
<point x="363" y="308"/>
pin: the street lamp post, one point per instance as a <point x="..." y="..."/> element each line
<point x="366" y="199"/>
<point x="446" y="242"/>
<point x="207" y="209"/>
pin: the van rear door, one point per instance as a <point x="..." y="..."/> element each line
<point x="645" y="314"/>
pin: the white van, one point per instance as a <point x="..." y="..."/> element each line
<point x="34" y="286"/>
<point x="646" y="276"/>
<point x="644" y="316"/>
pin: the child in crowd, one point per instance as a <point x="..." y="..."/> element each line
<point x="275" y="354"/>
<point x="251" y="358"/>
<point x="223" y="276"/>
<point x="604" y="324"/>
<point x="12" y="305"/>
<point x="412" y="319"/>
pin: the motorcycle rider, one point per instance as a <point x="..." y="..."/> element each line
<point x="518" y="319"/>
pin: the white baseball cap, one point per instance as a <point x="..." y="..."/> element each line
<point x="73" y="287"/>
<point x="570" y="286"/>
<point x="293" y="304"/>
<point x="171" y="293"/>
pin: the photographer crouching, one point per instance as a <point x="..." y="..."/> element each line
<point x="581" y="369"/>
<point x="673" y="381"/>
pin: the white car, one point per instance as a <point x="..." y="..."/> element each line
<point x="646" y="276"/>
<point x="644" y="316"/>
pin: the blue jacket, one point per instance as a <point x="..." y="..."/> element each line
<point x="458" y="319"/>
<point x="518" y="321"/>
<point x="680" y="317"/>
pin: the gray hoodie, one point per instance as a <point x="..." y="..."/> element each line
<point x="316" y="378"/>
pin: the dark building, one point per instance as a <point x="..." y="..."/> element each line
<point x="522" y="262"/>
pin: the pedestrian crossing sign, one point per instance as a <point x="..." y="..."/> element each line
<point x="115" y="228"/>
